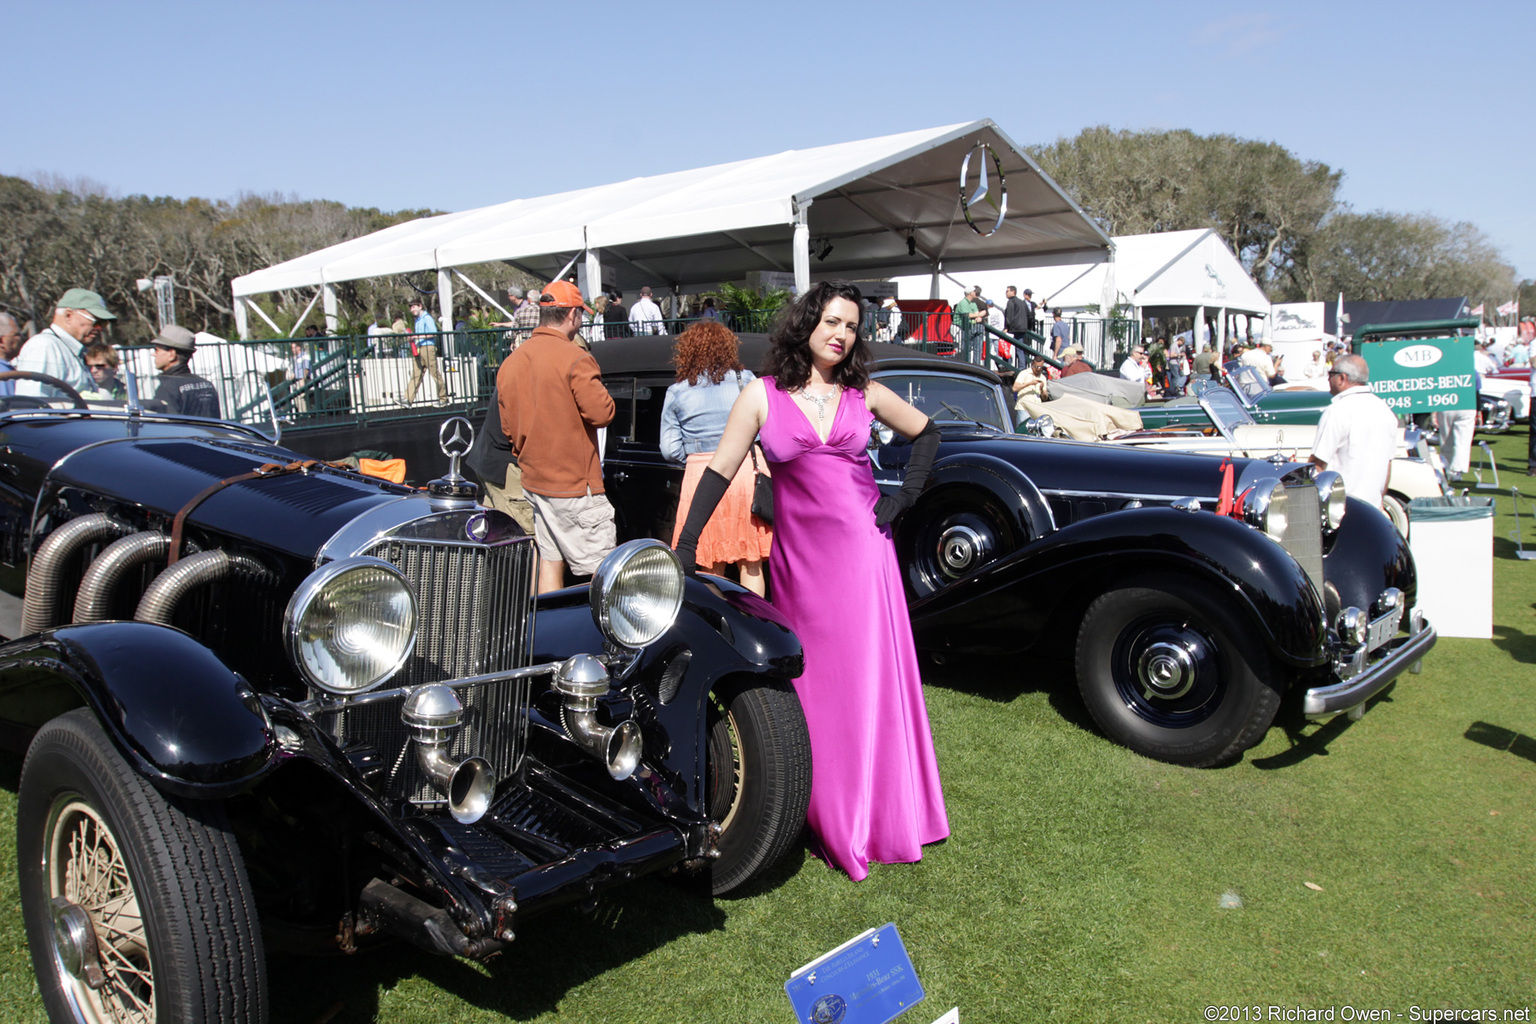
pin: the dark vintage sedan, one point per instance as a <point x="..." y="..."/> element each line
<point x="271" y="704"/>
<point x="1186" y="626"/>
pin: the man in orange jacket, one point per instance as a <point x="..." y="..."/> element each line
<point x="552" y="402"/>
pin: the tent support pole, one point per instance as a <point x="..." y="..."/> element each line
<point x="1197" y="332"/>
<point x="589" y="275"/>
<point x="444" y="299"/>
<point x="1223" y="329"/>
<point x="242" y="320"/>
<point x="480" y="292"/>
<point x="802" y="250"/>
<point x="263" y="314"/>
<point x="300" y="321"/>
<point x="328" y="296"/>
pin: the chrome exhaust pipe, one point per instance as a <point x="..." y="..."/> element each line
<point x="431" y="713"/>
<point x="581" y="680"/>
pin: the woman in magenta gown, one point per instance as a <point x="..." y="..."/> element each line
<point x="875" y="792"/>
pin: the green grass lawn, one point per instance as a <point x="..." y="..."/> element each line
<point x="1385" y="863"/>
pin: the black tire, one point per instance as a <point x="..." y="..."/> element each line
<point x="952" y="535"/>
<point x="169" y="906"/>
<point x="1397" y="511"/>
<point x="1167" y="672"/>
<point x="758" y="778"/>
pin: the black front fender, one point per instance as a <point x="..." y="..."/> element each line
<point x="1035" y="594"/>
<point x="178" y="714"/>
<point x="1366" y="556"/>
<point x="722" y="631"/>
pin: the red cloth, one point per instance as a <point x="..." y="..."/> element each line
<point x="928" y="319"/>
<point x="1225" y="503"/>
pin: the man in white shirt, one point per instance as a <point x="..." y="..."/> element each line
<point x="1482" y="362"/>
<point x="1357" y="435"/>
<point x="1135" y="366"/>
<point x="1260" y="356"/>
<point x="645" y="315"/>
<point x="80" y="317"/>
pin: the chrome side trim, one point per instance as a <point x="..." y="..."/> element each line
<point x="1163" y="498"/>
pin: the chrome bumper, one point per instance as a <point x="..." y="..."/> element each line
<point x="1402" y="653"/>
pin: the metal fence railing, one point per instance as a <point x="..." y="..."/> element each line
<point x="374" y="378"/>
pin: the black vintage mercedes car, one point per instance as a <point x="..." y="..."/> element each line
<point x="268" y="704"/>
<point x="1186" y="626"/>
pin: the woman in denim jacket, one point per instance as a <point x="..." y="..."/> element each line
<point x="693" y="416"/>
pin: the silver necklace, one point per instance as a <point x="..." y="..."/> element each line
<point x="820" y="401"/>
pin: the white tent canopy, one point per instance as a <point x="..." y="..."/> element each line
<point x="1171" y="273"/>
<point x="854" y="210"/>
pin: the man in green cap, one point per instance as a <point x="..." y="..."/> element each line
<point x="79" y="317"/>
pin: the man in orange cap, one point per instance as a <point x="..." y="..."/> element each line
<point x="552" y="402"/>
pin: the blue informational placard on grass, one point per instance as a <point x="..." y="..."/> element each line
<point x="867" y="980"/>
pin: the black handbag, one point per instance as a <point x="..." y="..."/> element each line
<point x="762" y="486"/>
<point x="762" y="491"/>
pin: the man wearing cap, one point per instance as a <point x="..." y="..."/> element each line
<point x="552" y="402"/>
<point x="79" y="317"/>
<point x="645" y="315"/>
<point x="182" y="391"/>
<point x="424" y="354"/>
<point x="1073" y="362"/>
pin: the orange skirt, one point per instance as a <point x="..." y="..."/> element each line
<point x="733" y="533"/>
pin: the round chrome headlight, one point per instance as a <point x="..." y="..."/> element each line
<point x="1331" y="496"/>
<point x="637" y="592"/>
<point x="1265" y="508"/>
<point x="351" y="624"/>
<point x="1040" y="426"/>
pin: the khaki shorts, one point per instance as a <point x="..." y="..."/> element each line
<point x="576" y="531"/>
<point x="509" y="498"/>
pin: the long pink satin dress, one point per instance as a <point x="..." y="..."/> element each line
<point x="875" y="792"/>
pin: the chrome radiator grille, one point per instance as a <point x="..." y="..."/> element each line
<point x="475" y="618"/>
<point x="1304" y="531"/>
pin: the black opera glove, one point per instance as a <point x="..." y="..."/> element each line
<point x="711" y="488"/>
<point x="924" y="447"/>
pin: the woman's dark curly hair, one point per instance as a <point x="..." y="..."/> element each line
<point x="706" y="347"/>
<point x="789" y="351"/>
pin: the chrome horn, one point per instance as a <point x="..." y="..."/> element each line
<point x="431" y="713"/>
<point x="581" y="680"/>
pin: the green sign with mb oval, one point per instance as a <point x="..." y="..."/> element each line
<point x="1422" y="374"/>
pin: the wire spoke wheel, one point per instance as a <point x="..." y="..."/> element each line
<point x="725" y="769"/>
<point x="137" y="905"/>
<point x="757" y="778"/>
<point x="85" y="867"/>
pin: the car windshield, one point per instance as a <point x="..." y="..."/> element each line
<point x="1250" y="383"/>
<point x="949" y="399"/>
<point x="1225" y="411"/>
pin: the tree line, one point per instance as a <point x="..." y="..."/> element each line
<point x="57" y="234"/>
<point x="1280" y="214"/>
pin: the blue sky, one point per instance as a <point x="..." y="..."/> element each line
<point x="1426" y="107"/>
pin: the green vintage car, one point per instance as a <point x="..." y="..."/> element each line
<point x="1263" y="403"/>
